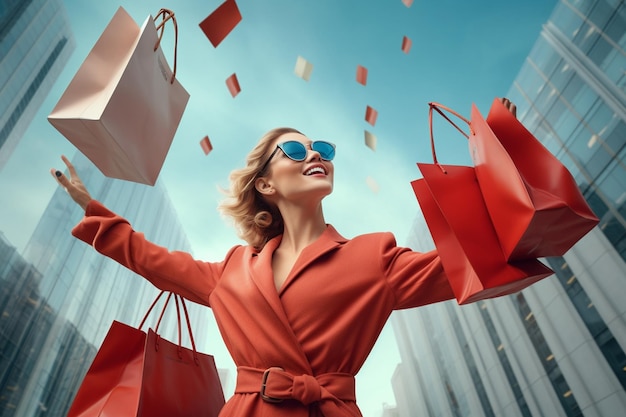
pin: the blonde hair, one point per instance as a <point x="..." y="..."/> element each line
<point x="256" y="220"/>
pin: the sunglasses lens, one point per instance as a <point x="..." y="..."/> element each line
<point x="325" y="149"/>
<point x="294" y="150"/>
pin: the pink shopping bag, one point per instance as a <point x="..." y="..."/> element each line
<point x="124" y="105"/>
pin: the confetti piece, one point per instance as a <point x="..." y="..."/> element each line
<point x="221" y="22"/>
<point x="370" y="140"/>
<point x="206" y="145"/>
<point x="361" y="74"/>
<point x="407" y="3"/>
<point x="303" y="68"/>
<point x="372" y="184"/>
<point x="370" y="115"/>
<point x="233" y="85"/>
<point x="406" y="44"/>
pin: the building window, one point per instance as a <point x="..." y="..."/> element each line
<point x="470" y="362"/>
<point x="504" y="360"/>
<point x="560" y="385"/>
<point x="30" y="92"/>
<point x="602" y="335"/>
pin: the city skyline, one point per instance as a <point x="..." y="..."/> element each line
<point x="454" y="59"/>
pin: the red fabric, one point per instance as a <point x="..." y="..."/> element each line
<point x="324" y="319"/>
<point x="332" y="391"/>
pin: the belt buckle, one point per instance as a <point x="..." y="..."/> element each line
<point x="265" y="397"/>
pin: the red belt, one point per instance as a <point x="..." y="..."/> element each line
<point x="275" y="385"/>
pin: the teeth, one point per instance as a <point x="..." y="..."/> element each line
<point x="315" y="170"/>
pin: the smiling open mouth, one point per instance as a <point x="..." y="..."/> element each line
<point x="315" y="170"/>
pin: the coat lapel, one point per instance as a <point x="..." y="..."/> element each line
<point x="262" y="276"/>
<point x="261" y="268"/>
<point x="328" y="241"/>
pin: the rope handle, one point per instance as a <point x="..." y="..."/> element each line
<point x="439" y="109"/>
<point x="167" y="15"/>
<point x="156" y="329"/>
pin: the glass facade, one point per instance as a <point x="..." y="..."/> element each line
<point x="558" y="347"/>
<point x="601" y="333"/>
<point x="571" y="93"/>
<point x="560" y="385"/>
<point x="35" y="43"/>
<point x="504" y="361"/>
<point x="60" y="296"/>
<point x="468" y="357"/>
<point x="454" y="393"/>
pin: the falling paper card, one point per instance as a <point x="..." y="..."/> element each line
<point x="407" y="3"/>
<point x="233" y="85"/>
<point x="361" y="74"/>
<point x="206" y="145"/>
<point x="372" y="184"/>
<point x="406" y="44"/>
<point x="303" y="68"/>
<point x="221" y="22"/>
<point x="370" y="140"/>
<point x="371" y="115"/>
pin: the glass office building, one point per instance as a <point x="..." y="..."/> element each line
<point x="59" y="298"/>
<point x="558" y="347"/>
<point x="35" y="43"/>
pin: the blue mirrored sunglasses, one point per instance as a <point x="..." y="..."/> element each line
<point x="297" y="151"/>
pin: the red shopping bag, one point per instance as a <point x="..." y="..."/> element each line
<point x="533" y="200"/>
<point x="124" y="105"/>
<point x="139" y="375"/>
<point x="465" y="238"/>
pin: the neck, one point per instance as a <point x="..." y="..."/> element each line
<point x="303" y="225"/>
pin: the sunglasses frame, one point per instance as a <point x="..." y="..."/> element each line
<point x="281" y="147"/>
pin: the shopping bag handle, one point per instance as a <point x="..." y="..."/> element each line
<point x="439" y="109"/>
<point x="167" y="14"/>
<point x="156" y="329"/>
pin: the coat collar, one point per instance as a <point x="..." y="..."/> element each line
<point x="263" y="278"/>
<point x="328" y="240"/>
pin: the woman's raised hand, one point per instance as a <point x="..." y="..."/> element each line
<point x="74" y="186"/>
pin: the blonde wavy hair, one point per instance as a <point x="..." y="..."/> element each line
<point x="256" y="220"/>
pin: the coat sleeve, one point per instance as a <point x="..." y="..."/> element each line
<point x="415" y="278"/>
<point x="174" y="271"/>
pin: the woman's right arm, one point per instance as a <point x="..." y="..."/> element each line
<point x="113" y="236"/>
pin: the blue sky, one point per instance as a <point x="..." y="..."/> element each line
<point x="463" y="52"/>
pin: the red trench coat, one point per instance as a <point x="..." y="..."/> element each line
<point x="319" y="327"/>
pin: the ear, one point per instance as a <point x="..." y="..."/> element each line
<point x="263" y="186"/>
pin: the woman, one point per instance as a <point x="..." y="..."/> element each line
<point x="300" y="307"/>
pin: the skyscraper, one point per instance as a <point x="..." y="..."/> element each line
<point x="558" y="347"/>
<point x="59" y="298"/>
<point x="35" y="43"/>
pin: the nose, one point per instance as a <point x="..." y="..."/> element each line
<point x="312" y="154"/>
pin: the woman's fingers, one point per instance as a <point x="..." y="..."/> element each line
<point x="60" y="177"/>
<point x="73" y="185"/>
<point x="70" y="167"/>
<point x="509" y="105"/>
